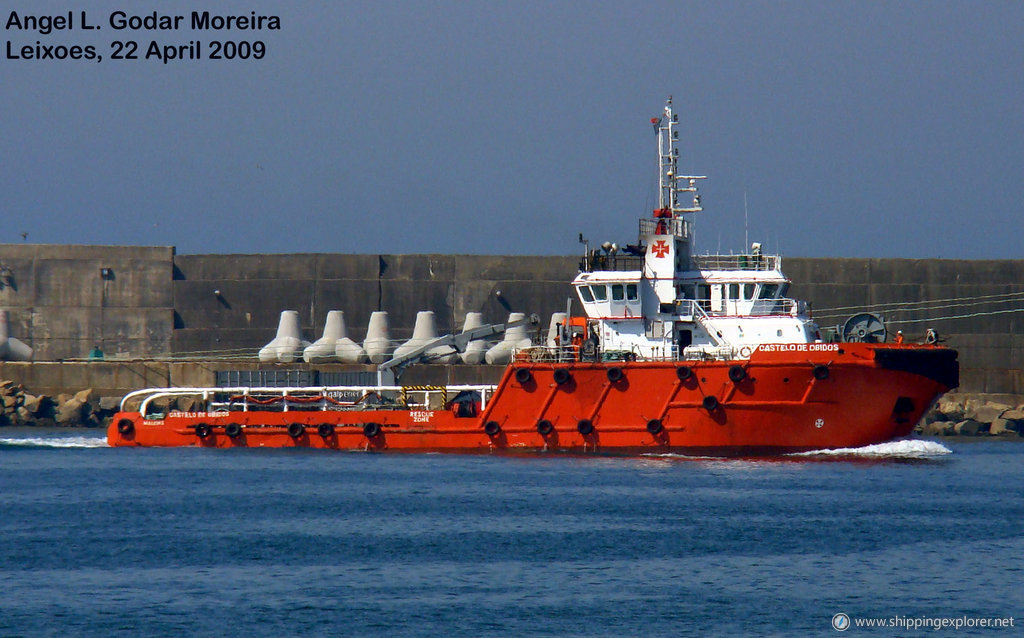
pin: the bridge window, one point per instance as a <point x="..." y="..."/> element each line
<point x="618" y="294"/>
<point x="631" y="292"/>
<point x="734" y="291"/>
<point x="600" y="292"/>
<point x="585" y="294"/>
<point x="768" y="291"/>
<point x="748" y="291"/>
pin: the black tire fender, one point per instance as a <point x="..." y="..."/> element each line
<point x="325" y="430"/>
<point x="523" y="376"/>
<point x="654" y="426"/>
<point x="492" y="428"/>
<point x="545" y="427"/>
<point x="585" y="427"/>
<point x="737" y="373"/>
<point x="684" y="372"/>
<point x="233" y="430"/>
<point x="295" y="430"/>
<point x="710" y="403"/>
<point x="820" y="372"/>
<point x="203" y="430"/>
<point x="126" y="426"/>
<point x="370" y="430"/>
<point x="615" y="374"/>
<point x="562" y="376"/>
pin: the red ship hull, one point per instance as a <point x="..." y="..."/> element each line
<point x="785" y="398"/>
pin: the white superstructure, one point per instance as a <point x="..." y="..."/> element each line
<point x="661" y="301"/>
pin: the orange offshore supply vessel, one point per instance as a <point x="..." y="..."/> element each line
<point x="693" y="354"/>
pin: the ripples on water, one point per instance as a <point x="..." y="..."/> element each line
<point x="100" y="541"/>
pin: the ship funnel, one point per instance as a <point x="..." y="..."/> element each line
<point x="378" y="340"/>
<point x="477" y="349"/>
<point x="515" y="337"/>
<point x="11" y="349"/>
<point x="287" y="346"/>
<point x="556" y="319"/>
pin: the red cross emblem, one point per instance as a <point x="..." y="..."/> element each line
<point x="660" y="248"/>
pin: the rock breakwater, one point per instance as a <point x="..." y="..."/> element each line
<point x="965" y="415"/>
<point x="18" y="406"/>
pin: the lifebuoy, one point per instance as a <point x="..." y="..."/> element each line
<point x="684" y="372"/>
<point x="562" y="376"/>
<point x="710" y="403"/>
<point x="745" y="351"/>
<point x="654" y="426"/>
<point x="523" y="376"/>
<point x="614" y="374"/>
<point x="203" y="430"/>
<point x="737" y="373"/>
<point x="325" y="430"/>
<point x="492" y="428"/>
<point x="232" y="430"/>
<point x="295" y="430"/>
<point x="125" y="426"/>
<point x="371" y="430"/>
<point x="820" y="372"/>
<point x="585" y="427"/>
<point x="545" y="427"/>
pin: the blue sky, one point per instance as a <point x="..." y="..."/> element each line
<point x="855" y="129"/>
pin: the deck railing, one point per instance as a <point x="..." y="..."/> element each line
<point x="737" y="262"/>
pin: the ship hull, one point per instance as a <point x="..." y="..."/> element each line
<point x="784" y="398"/>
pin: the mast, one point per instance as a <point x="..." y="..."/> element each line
<point x="672" y="185"/>
<point x="668" y="235"/>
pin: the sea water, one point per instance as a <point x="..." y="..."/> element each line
<point x="96" y="541"/>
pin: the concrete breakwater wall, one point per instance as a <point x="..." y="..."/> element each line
<point x="149" y="303"/>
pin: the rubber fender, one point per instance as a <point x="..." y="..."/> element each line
<point x="545" y="427"/>
<point x="585" y="427"/>
<point x="203" y="430"/>
<point x="710" y="403"/>
<point x="492" y="428"/>
<point x="615" y="374"/>
<point x="737" y="373"/>
<point x="371" y="430"/>
<point x="523" y="376"/>
<point x="295" y="430"/>
<point x="125" y="426"/>
<point x="325" y="430"/>
<point x="820" y="372"/>
<point x="562" y="376"/>
<point x="684" y="372"/>
<point x="654" y="426"/>
<point x="232" y="430"/>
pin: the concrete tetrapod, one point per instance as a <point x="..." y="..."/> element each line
<point x="477" y="349"/>
<point x="322" y="350"/>
<point x="11" y="349"/>
<point x="423" y="333"/>
<point x="516" y="337"/>
<point x="556" y="319"/>
<point x="378" y="340"/>
<point x="287" y="346"/>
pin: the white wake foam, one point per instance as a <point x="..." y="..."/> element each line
<point x="65" y="442"/>
<point x="908" y="449"/>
